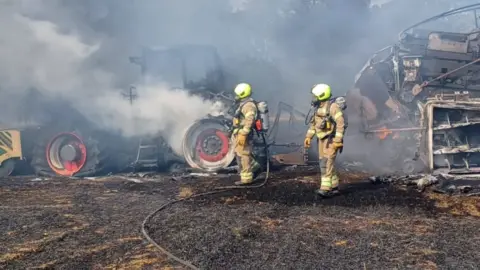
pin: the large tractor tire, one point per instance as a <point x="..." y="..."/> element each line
<point x="68" y="154"/>
<point x="207" y="145"/>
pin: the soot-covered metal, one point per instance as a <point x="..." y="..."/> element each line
<point x="424" y="92"/>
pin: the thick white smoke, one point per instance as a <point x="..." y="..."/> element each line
<point x="78" y="50"/>
<point x="39" y="54"/>
<point x="158" y="110"/>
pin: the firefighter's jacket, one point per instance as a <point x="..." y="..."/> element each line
<point x="245" y="116"/>
<point x="334" y="122"/>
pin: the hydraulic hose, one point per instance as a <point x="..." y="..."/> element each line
<point x="203" y="194"/>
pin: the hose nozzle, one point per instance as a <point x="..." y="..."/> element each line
<point x="305" y="155"/>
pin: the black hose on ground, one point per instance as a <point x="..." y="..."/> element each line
<point x="215" y="191"/>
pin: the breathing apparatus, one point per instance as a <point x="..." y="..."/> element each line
<point x="340" y="101"/>
<point x="261" y="123"/>
<point x="323" y="93"/>
<point x="320" y="92"/>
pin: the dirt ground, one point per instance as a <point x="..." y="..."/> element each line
<point x="95" y="224"/>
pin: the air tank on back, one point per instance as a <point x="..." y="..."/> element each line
<point x="263" y="115"/>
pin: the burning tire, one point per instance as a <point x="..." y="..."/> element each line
<point x="207" y="145"/>
<point x="67" y="154"/>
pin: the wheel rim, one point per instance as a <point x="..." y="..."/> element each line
<point x="212" y="145"/>
<point x="207" y="146"/>
<point x="66" y="154"/>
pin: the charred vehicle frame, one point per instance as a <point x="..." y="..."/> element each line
<point x="206" y="144"/>
<point x="424" y="92"/>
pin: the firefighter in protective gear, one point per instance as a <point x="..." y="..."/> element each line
<point x="242" y="136"/>
<point x="328" y="125"/>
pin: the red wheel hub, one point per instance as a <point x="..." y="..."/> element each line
<point x="66" y="154"/>
<point x="212" y="145"/>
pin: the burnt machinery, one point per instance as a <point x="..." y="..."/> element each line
<point x="64" y="143"/>
<point x="423" y="93"/>
<point x="49" y="137"/>
<point x="193" y="68"/>
<point x="206" y="145"/>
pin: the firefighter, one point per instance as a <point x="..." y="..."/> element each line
<point x="328" y="125"/>
<point x="242" y="136"/>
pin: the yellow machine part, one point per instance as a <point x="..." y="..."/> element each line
<point x="10" y="144"/>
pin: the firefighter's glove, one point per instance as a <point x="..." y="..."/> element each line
<point x="241" y="139"/>
<point x="236" y="122"/>
<point x="307" y="142"/>
<point x="338" y="146"/>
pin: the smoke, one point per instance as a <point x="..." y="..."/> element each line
<point x="61" y="65"/>
<point x="35" y="54"/>
<point x="158" y="110"/>
<point x="78" y="51"/>
<point x="395" y="153"/>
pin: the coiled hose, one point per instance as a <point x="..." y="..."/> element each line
<point x="203" y="194"/>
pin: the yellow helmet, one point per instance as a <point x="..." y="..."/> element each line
<point x="322" y="91"/>
<point x="243" y="90"/>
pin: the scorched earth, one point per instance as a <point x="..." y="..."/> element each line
<point x="96" y="224"/>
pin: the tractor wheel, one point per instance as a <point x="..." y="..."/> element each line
<point x="7" y="167"/>
<point x="207" y="146"/>
<point x="68" y="154"/>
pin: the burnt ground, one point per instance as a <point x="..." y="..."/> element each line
<point x="95" y="224"/>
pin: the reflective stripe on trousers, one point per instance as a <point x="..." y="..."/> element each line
<point x="247" y="164"/>
<point x="246" y="174"/>
<point x="329" y="178"/>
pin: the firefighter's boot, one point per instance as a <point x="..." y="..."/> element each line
<point x="324" y="193"/>
<point x="240" y="183"/>
<point x="256" y="171"/>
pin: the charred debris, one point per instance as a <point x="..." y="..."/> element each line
<point x="424" y="93"/>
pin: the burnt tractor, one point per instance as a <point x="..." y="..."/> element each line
<point x="193" y="68"/>
<point x="420" y="98"/>
<point x="64" y="143"/>
<point x="55" y="140"/>
<point x="206" y="145"/>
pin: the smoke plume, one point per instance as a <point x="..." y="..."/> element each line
<point x="60" y="64"/>
<point x="77" y="51"/>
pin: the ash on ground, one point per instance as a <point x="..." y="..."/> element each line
<point x="95" y="224"/>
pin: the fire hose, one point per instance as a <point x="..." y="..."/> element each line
<point x="217" y="190"/>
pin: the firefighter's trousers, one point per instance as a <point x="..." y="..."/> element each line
<point x="246" y="162"/>
<point x="327" y="155"/>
